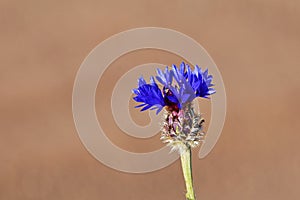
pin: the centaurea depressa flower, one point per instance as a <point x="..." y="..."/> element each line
<point x="182" y="127"/>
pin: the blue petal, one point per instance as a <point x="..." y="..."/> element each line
<point x="149" y="95"/>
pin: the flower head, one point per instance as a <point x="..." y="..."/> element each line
<point x="187" y="86"/>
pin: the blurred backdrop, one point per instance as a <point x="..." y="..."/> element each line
<point x="255" y="44"/>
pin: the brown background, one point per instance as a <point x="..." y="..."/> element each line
<point x="255" y="45"/>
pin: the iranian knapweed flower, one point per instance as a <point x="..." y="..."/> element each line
<point x="182" y="127"/>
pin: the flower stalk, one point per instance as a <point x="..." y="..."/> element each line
<point x="186" y="164"/>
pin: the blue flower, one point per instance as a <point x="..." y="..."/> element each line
<point x="187" y="86"/>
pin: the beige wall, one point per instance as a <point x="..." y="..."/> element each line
<point x="255" y="44"/>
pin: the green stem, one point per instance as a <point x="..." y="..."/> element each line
<point x="186" y="163"/>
